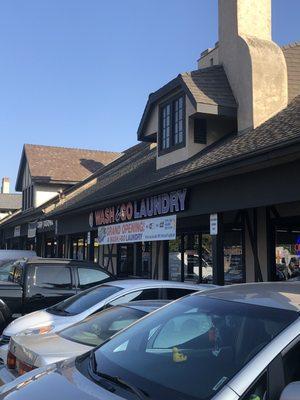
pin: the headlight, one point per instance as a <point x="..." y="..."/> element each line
<point x="41" y="330"/>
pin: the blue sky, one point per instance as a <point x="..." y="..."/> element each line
<point x="77" y="73"/>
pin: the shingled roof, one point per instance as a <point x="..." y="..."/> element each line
<point x="10" y="201"/>
<point x="138" y="172"/>
<point x="207" y="87"/>
<point x="61" y="164"/>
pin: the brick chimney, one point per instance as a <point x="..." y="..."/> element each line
<point x="5" y="185"/>
<point x="254" y="64"/>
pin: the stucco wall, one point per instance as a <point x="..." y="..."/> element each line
<point x="41" y="194"/>
<point x="248" y="55"/>
<point x="209" y="59"/>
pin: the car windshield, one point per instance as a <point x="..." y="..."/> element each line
<point x="84" y="300"/>
<point x="191" y="348"/>
<point x="101" y="326"/>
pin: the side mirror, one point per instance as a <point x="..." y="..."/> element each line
<point x="291" y="392"/>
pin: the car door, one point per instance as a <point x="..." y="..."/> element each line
<point x="47" y="285"/>
<point x="283" y="370"/>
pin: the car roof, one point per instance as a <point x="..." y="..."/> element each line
<point x="41" y="261"/>
<point x="145" y="305"/>
<point x="281" y="295"/>
<point x="132" y="283"/>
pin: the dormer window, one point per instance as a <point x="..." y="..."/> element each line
<point x="172" y="125"/>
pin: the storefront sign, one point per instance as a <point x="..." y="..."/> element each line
<point x="17" y="231"/>
<point x="167" y="203"/>
<point x="31" y="233"/>
<point x="152" y="229"/>
<point x="88" y="238"/>
<point x="213" y="224"/>
<point x="48" y="224"/>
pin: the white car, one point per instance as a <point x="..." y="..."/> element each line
<point x="80" y="306"/>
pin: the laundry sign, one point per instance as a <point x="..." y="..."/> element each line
<point x="148" y="230"/>
<point x="153" y="206"/>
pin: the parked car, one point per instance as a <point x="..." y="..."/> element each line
<point x="236" y="342"/>
<point x="80" y="306"/>
<point x="29" y="352"/>
<point x="32" y="284"/>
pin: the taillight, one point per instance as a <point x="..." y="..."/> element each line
<point x="11" y="360"/>
<point x="23" y="368"/>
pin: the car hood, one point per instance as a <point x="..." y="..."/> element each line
<point x="60" y="381"/>
<point x="40" y="350"/>
<point x="39" y="319"/>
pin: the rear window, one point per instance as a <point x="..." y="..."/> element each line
<point x="84" y="300"/>
<point x="52" y="277"/>
<point x="94" y="330"/>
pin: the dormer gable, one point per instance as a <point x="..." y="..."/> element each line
<point x="188" y="113"/>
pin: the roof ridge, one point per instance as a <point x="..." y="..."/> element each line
<point x="200" y="70"/>
<point x="290" y="45"/>
<point x="71" y="148"/>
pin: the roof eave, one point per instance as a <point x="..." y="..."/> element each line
<point x="217" y="109"/>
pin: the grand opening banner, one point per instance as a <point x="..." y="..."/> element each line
<point x="148" y="230"/>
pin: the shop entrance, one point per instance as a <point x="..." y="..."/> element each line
<point x="191" y="257"/>
<point x="79" y="247"/>
<point x="287" y="251"/>
<point x="125" y="260"/>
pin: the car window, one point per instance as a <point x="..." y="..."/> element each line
<point x="84" y="300"/>
<point x="94" y="330"/>
<point x="259" y="390"/>
<point x="176" y="293"/>
<point x="52" y="277"/>
<point x="90" y="276"/>
<point x="291" y="364"/>
<point x="7" y="271"/>
<point x="143" y="294"/>
<point x="18" y="273"/>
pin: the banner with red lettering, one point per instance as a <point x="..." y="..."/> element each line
<point x="149" y="230"/>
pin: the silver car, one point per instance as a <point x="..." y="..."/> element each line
<point x="238" y="342"/>
<point x="33" y="351"/>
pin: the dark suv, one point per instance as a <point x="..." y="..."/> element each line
<point x="32" y="284"/>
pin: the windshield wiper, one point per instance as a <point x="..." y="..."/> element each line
<point x="58" y="311"/>
<point x="115" y="379"/>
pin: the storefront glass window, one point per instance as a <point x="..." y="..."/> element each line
<point x="287" y="253"/>
<point x="190" y="258"/>
<point x="79" y="248"/>
<point x="233" y="256"/>
<point x="96" y="251"/>
<point x="144" y="260"/>
<point x="125" y="260"/>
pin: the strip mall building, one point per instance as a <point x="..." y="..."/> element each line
<point x="212" y="190"/>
